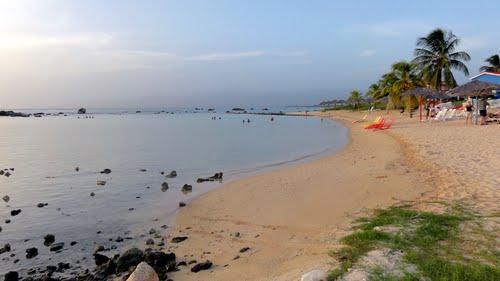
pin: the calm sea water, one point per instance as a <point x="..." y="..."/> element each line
<point x="45" y="151"/>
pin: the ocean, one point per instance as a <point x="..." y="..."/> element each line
<point x="45" y="152"/>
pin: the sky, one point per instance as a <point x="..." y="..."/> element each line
<point x="124" y="53"/>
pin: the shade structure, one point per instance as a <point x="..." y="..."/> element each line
<point x="473" y="88"/>
<point x="439" y="96"/>
<point x="420" y="93"/>
<point x="384" y="99"/>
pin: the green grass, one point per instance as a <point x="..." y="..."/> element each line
<point x="433" y="242"/>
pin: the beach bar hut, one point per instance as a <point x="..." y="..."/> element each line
<point x="488" y="76"/>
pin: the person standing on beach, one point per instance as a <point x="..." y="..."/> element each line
<point x="468" y="111"/>
<point x="481" y="105"/>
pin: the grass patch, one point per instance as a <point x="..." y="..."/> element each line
<point x="432" y="242"/>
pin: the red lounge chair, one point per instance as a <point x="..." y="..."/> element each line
<point x="377" y="125"/>
<point x="384" y="127"/>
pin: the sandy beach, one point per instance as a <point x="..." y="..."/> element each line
<point x="290" y="219"/>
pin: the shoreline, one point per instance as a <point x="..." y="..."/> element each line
<point x="289" y="228"/>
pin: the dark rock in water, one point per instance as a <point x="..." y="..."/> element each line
<point x="164" y="186"/>
<point x="242" y="250"/>
<point x="77" y="169"/>
<point x="119" y="239"/>
<point x="12" y="276"/>
<point x="31" y="253"/>
<point x="238" y="109"/>
<point x="201" y="266"/>
<point x="131" y="257"/>
<point x="152" y="231"/>
<point x="92" y="194"/>
<point x="150" y="242"/>
<point x="15" y="212"/>
<point x="6" y="198"/>
<point x="56" y="247"/>
<point x="182" y="204"/>
<point x="5" y="248"/>
<point x="40" y="205"/>
<point x="82" y="111"/>
<point x="178" y="239"/>
<point x="100" y="182"/>
<point x="0" y="229"/>
<point x="105" y="171"/>
<point x="7" y="174"/>
<point x="100" y="259"/>
<point x="162" y="173"/>
<point x="216" y="176"/>
<point x="187" y="187"/>
<point x="7" y="221"/>
<point x="172" y="174"/>
<point x="49" y="239"/>
<point x="143" y="170"/>
<point x="62" y="266"/>
<point x="1" y="172"/>
<point x="73" y="243"/>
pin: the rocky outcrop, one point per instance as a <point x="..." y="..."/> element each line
<point x="215" y="177"/>
<point x="130" y="258"/>
<point x="82" y="111"/>
<point x="143" y="272"/>
<point x="172" y="174"/>
<point x="13" y="114"/>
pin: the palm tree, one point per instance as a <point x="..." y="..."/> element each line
<point x="355" y="97"/>
<point x="494" y="62"/>
<point x="405" y="78"/>
<point x="374" y="91"/>
<point x="436" y="58"/>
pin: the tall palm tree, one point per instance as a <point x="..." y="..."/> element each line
<point x="406" y="77"/>
<point x="355" y="98"/>
<point x="494" y="62"/>
<point x="374" y="91"/>
<point x="436" y="58"/>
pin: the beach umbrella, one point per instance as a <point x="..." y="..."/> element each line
<point x="474" y="88"/>
<point x="420" y="93"/>
<point x="383" y="100"/>
<point x="439" y="96"/>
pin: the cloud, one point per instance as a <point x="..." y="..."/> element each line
<point x="10" y="42"/>
<point x="388" y="28"/>
<point x="368" y="53"/>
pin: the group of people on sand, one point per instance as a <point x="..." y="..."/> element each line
<point x="481" y="106"/>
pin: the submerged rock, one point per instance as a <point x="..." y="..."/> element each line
<point x="100" y="259"/>
<point x="216" y="176"/>
<point x="56" y="247"/>
<point x="15" y="212"/>
<point x="187" y="188"/>
<point x="172" y="174"/>
<point x="105" y="171"/>
<point x="6" y="198"/>
<point x="82" y="111"/>
<point x="12" y="276"/>
<point x="49" y="239"/>
<point x="31" y="253"/>
<point x="164" y="186"/>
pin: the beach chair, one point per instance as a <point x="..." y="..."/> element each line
<point x="449" y="114"/>
<point x="388" y="126"/>
<point x="377" y="125"/>
<point x="361" y="120"/>
<point x="374" y="122"/>
<point x="439" y="115"/>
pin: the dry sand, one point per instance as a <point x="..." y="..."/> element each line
<point x="291" y="218"/>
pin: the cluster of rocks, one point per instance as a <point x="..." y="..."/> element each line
<point x="216" y="177"/>
<point x="7" y="172"/>
<point x="13" y="114"/>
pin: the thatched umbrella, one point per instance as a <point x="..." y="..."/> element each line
<point x="420" y="93"/>
<point x="474" y="88"/>
<point x="383" y="100"/>
<point x="439" y="96"/>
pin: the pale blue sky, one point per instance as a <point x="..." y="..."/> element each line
<point x="57" y="53"/>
